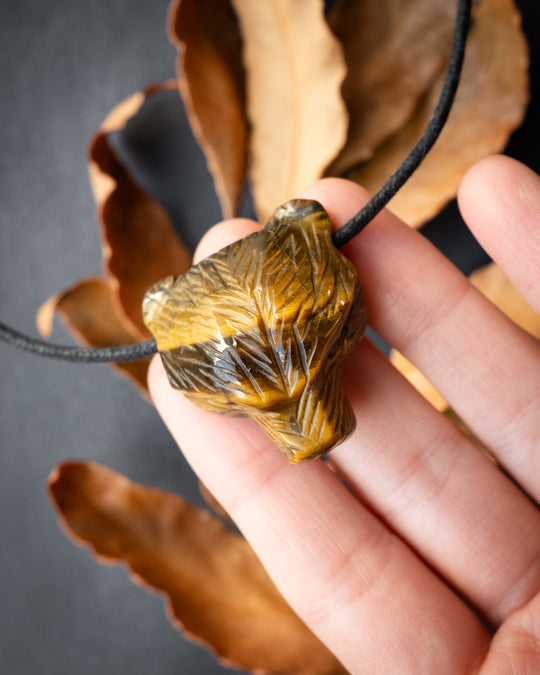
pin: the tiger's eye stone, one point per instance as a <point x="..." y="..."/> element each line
<point x="261" y="328"/>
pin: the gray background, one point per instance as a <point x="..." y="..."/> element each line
<point x="64" y="65"/>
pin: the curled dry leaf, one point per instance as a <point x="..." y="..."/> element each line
<point x="140" y="244"/>
<point x="295" y="68"/>
<point x="211" y="82"/>
<point x="394" y="49"/>
<point x="88" y="311"/>
<point x="490" y="104"/>
<point x="217" y="590"/>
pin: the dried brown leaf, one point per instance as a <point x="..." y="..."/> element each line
<point x="216" y="588"/>
<point x="295" y="68"/>
<point x="88" y="311"/>
<point x="140" y="244"/>
<point x="211" y="82"/>
<point x="394" y="50"/>
<point x="490" y="104"/>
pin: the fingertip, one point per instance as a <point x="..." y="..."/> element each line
<point x="476" y="177"/>
<point x="499" y="199"/>
<point x="495" y="192"/>
<point x="493" y="166"/>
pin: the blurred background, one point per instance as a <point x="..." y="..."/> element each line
<point x="64" y="65"/>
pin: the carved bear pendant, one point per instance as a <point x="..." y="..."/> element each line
<point x="261" y="328"/>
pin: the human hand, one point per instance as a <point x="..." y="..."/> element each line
<point x="386" y="576"/>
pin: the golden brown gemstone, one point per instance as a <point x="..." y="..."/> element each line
<point x="261" y="328"/>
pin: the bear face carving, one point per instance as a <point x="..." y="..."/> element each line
<point x="262" y="327"/>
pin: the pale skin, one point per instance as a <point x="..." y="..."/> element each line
<point x="386" y="577"/>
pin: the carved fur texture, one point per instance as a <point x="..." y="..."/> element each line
<point x="262" y="327"/>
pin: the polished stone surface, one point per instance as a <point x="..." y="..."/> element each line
<point x="262" y="327"/>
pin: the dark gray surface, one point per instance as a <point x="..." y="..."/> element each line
<point x="64" y="65"/>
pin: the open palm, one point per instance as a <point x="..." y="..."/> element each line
<point x="435" y="544"/>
